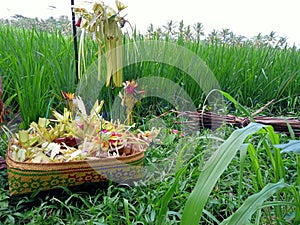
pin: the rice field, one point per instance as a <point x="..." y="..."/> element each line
<point x="249" y="180"/>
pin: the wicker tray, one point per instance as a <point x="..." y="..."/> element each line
<point x="29" y="177"/>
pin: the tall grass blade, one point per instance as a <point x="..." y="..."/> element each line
<point x="243" y="155"/>
<point x="161" y="217"/>
<point x="253" y="203"/>
<point x="237" y="104"/>
<point x="126" y="208"/>
<point x="290" y="129"/>
<point x="256" y="166"/>
<point x="212" y="171"/>
<point x="297" y="200"/>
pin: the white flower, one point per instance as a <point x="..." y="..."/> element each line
<point x="52" y="149"/>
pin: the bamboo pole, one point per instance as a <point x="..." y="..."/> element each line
<point x="203" y="119"/>
<point x="75" y="42"/>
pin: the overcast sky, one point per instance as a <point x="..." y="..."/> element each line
<point x="243" y="17"/>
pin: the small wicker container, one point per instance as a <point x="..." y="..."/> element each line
<point x="28" y="177"/>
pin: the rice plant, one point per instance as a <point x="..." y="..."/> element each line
<point x="36" y="67"/>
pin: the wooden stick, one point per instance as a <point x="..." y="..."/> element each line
<point x="263" y="108"/>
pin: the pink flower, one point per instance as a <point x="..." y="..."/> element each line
<point x="179" y="133"/>
<point x="130" y="89"/>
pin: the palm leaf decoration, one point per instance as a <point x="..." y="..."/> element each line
<point x="104" y="24"/>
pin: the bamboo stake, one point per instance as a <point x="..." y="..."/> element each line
<point x="263" y="108"/>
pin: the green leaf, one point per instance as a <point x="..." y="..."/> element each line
<point x="243" y="155"/>
<point x="253" y="203"/>
<point x="40" y="157"/>
<point x="255" y="164"/>
<point x="291" y="146"/>
<point x="126" y="208"/>
<point x="43" y="122"/>
<point x="23" y="137"/>
<point x="212" y="171"/>
<point x="3" y="199"/>
<point x="21" y="155"/>
<point x="164" y="201"/>
<point x="167" y="197"/>
<point x="169" y="139"/>
<point x="237" y="105"/>
<point x="33" y="140"/>
<point x="25" y="140"/>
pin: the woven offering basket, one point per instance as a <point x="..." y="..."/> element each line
<point x="25" y="177"/>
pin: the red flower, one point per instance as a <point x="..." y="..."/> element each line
<point x="67" y="95"/>
<point x="78" y="23"/>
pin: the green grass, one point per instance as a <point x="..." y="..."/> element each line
<point x="36" y="67"/>
<point x="166" y="200"/>
<point x="252" y="75"/>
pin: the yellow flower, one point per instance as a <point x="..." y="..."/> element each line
<point x="105" y="146"/>
<point x="120" y="5"/>
<point x="68" y="96"/>
<point x="147" y="133"/>
<point x="108" y="126"/>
